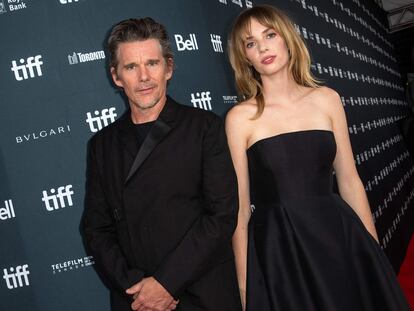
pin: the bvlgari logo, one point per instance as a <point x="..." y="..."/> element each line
<point x="43" y="134"/>
<point x="72" y="264"/>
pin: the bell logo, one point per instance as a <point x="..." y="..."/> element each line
<point x="190" y="44"/>
<point x="7" y="212"/>
<point x="26" y="68"/>
<point x="201" y="100"/>
<point x="17" y="277"/>
<point x="58" y="200"/>
<point x="102" y="118"/>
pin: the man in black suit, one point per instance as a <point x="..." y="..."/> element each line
<point x="161" y="192"/>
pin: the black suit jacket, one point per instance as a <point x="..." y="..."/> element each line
<point x="168" y="210"/>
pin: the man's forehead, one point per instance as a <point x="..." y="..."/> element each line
<point x="149" y="48"/>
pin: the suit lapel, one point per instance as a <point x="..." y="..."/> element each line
<point x="162" y="126"/>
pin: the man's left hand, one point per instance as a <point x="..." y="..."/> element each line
<point x="149" y="294"/>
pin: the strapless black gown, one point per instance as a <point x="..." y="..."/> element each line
<point x="308" y="250"/>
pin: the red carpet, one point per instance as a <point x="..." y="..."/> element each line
<point x="406" y="275"/>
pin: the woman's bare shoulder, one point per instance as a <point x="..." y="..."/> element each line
<point x="242" y="111"/>
<point x="326" y="98"/>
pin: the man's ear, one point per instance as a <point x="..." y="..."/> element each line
<point x="115" y="77"/>
<point x="170" y="67"/>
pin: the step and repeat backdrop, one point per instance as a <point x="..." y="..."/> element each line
<point x="55" y="93"/>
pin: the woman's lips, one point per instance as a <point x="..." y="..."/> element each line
<point x="268" y="60"/>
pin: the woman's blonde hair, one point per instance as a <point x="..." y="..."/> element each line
<point x="248" y="82"/>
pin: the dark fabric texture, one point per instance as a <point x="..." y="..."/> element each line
<point x="167" y="210"/>
<point x="308" y="250"/>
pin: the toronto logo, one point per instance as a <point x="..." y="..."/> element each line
<point x="78" y="57"/>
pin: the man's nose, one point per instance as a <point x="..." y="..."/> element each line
<point x="143" y="74"/>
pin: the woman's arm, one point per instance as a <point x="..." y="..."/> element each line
<point x="237" y="140"/>
<point x="350" y="186"/>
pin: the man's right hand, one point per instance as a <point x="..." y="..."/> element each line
<point x="149" y="295"/>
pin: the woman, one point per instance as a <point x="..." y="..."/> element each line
<point x="298" y="246"/>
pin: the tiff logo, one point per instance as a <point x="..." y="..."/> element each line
<point x="16" y="279"/>
<point x="73" y="59"/>
<point x="7" y="212"/>
<point x="223" y="1"/>
<point x="201" y="100"/>
<point x="102" y="118"/>
<point x="27" y="68"/>
<point x="58" y="200"/>
<point x="189" y="44"/>
<point x="249" y="4"/>
<point x="217" y="44"/>
<point x="67" y="1"/>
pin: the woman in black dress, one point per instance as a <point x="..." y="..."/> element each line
<point x="298" y="245"/>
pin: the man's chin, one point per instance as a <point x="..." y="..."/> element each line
<point x="148" y="104"/>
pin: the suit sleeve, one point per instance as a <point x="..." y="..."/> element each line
<point x="99" y="231"/>
<point x="210" y="235"/>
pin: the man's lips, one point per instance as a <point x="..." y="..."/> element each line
<point x="268" y="60"/>
<point x="146" y="89"/>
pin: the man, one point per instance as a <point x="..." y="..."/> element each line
<point x="161" y="197"/>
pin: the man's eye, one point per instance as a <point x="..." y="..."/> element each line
<point x="153" y="63"/>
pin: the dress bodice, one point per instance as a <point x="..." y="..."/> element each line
<point x="290" y="165"/>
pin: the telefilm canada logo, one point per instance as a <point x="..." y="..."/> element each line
<point x="72" y="264"/>
<point x="12" y="5"/>
<point x="79" y="57"/>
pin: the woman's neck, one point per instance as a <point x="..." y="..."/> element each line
<point x="280" y="88"/>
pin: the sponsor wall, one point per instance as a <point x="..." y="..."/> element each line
<point x="55" y="93"/>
